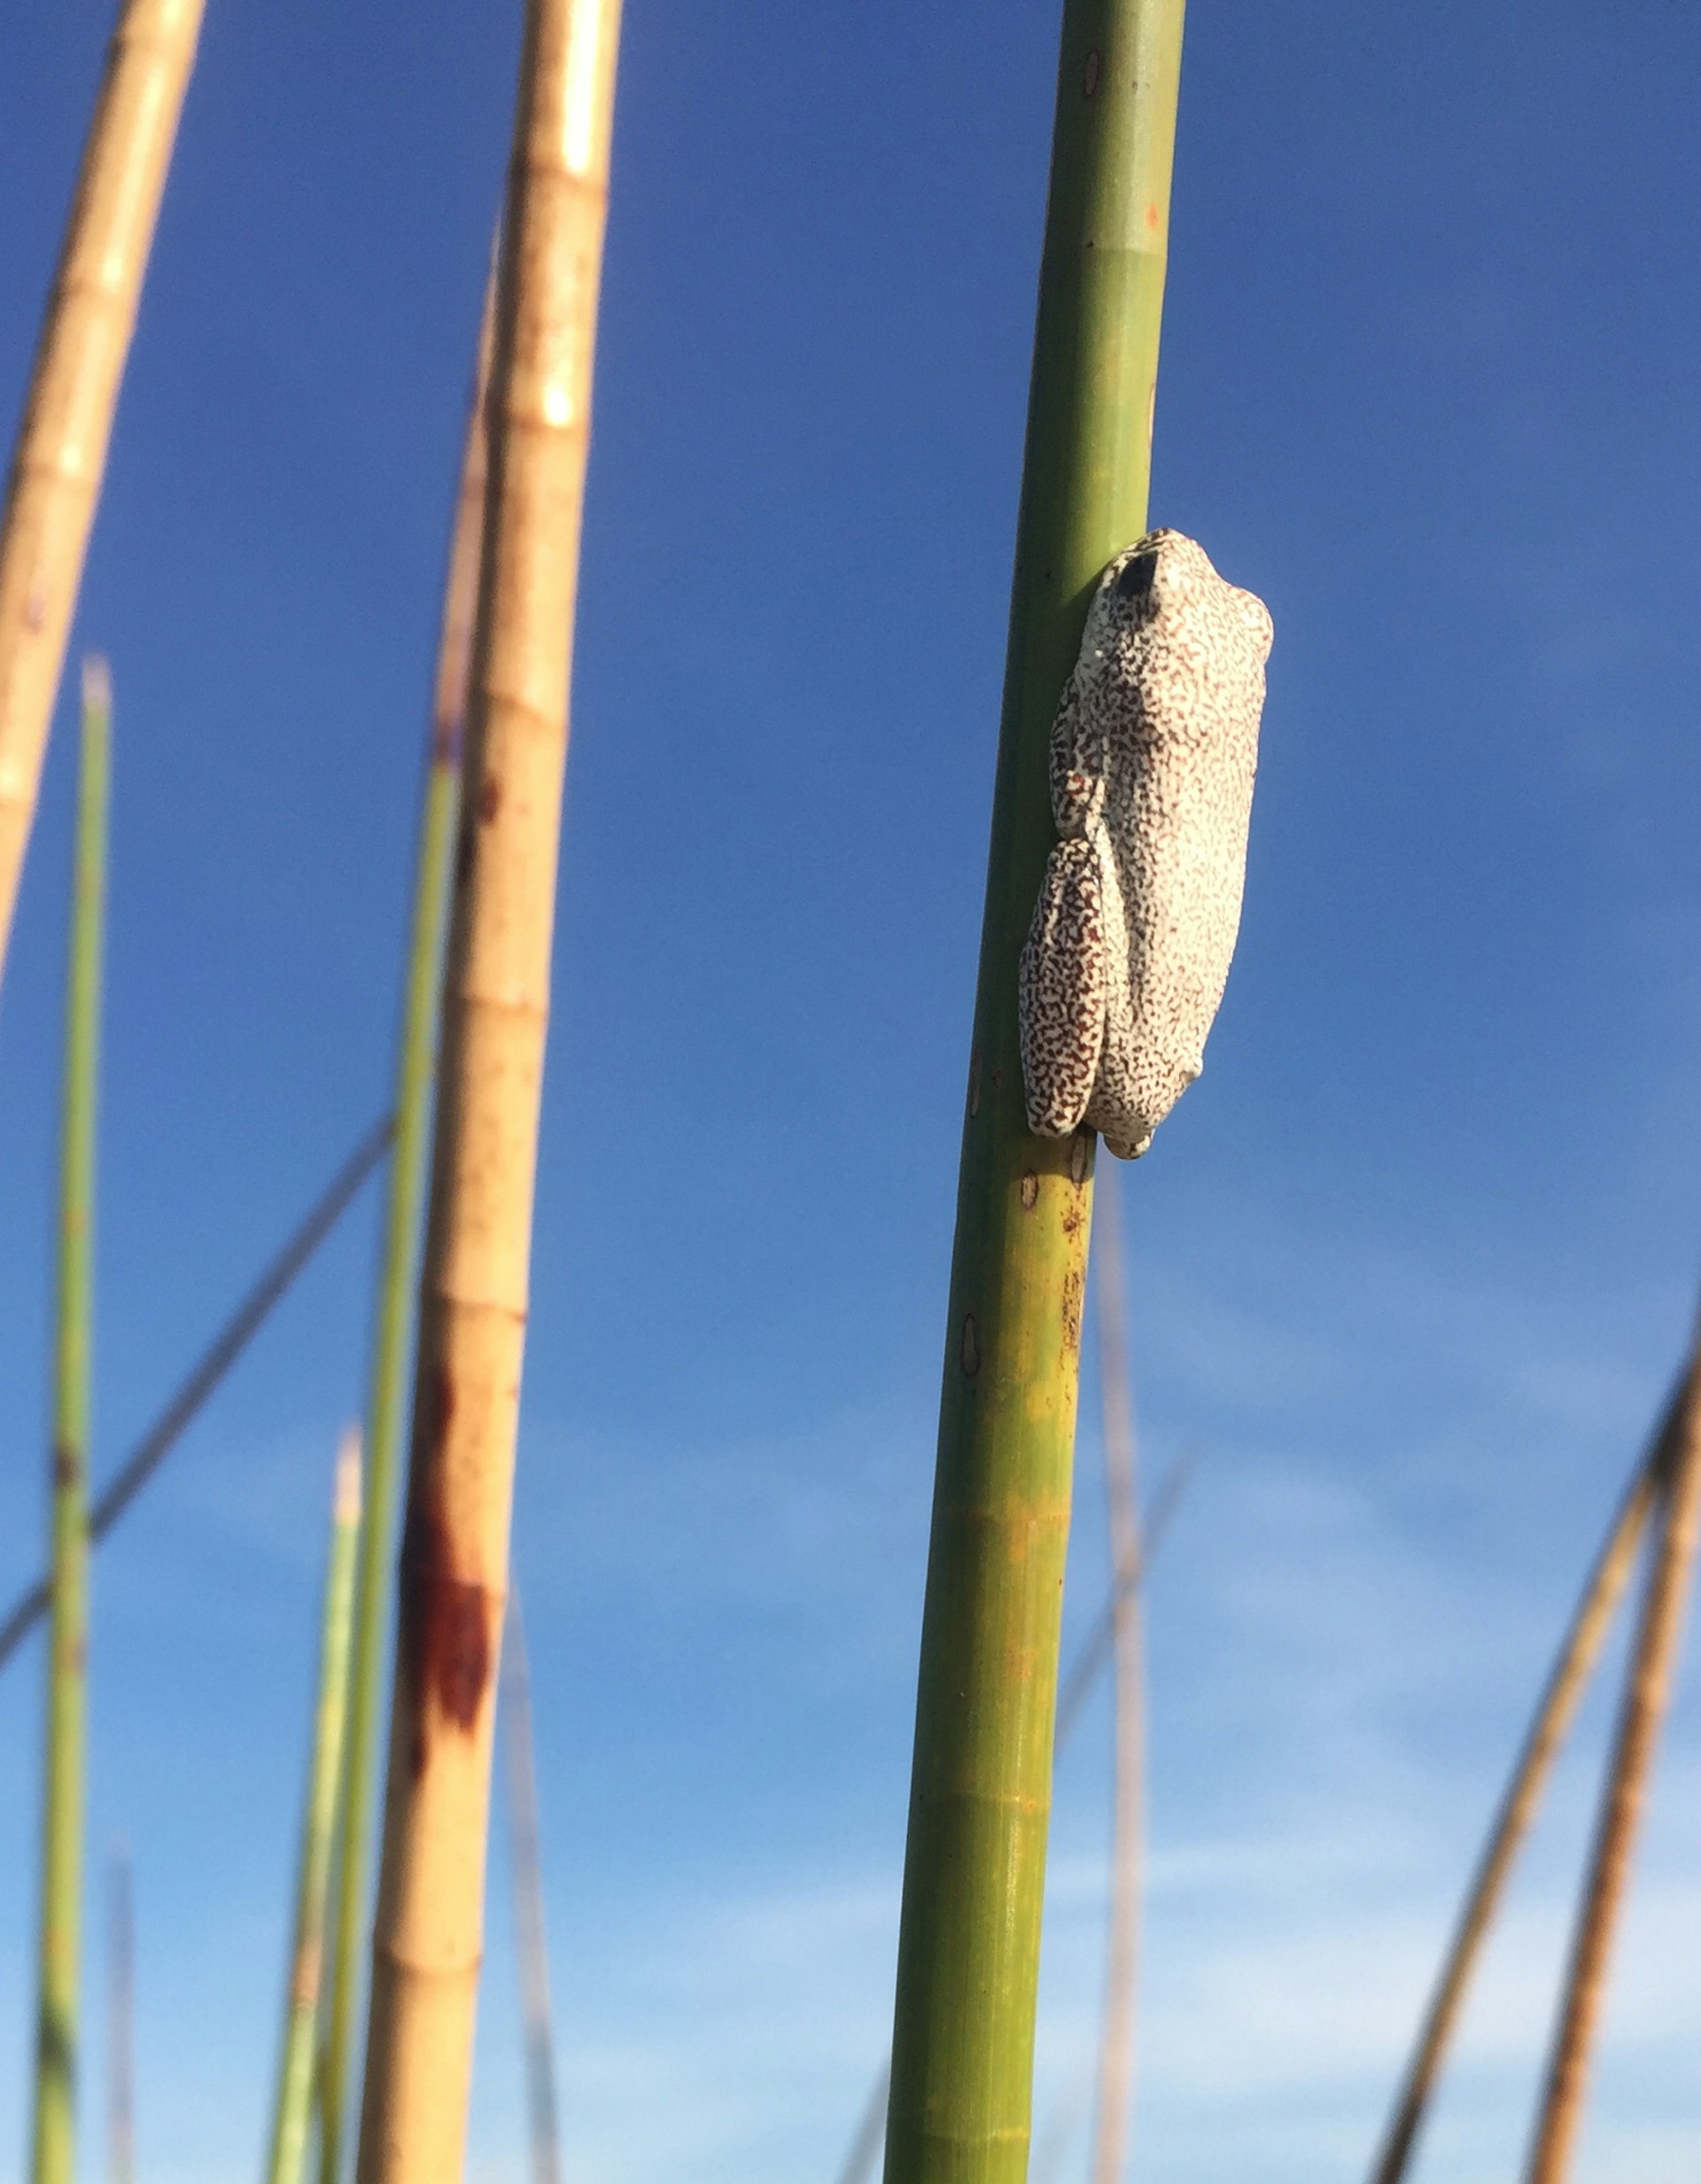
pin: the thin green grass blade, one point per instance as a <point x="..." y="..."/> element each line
<point x="293" y="2106"/>
<point x="53" y="2144"/>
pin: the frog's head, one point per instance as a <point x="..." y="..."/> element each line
<point x="1154" y="581"/>
<point x="1151" y="577"/>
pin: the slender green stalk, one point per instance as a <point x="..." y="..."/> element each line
<point x="526" y="1862"/>
<point x="292" y="2108"/>
<point x="209" y="1370"/>
<point x="968" y="1949"/>
<point x="1074" y="1691"/>
<point x="1555" y="1711"/>
<point x="392" y="1334"/>
<point x="1116" y="2040"/>
<point x="53" y="2154"/>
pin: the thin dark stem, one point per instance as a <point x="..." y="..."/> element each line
<point x="168" y="1428"/>
<point x="121" y="2023"/>
<point x="524" y="1841"/>
<point x="1557" y="1709"/>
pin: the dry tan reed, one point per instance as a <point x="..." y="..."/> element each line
<point x="474" y="1286"/>
<point x="1555" y="1711"/>
<point x="393" y="1324"/>
<point x="60" y="455"/>
<point x="1647" y="1692"/>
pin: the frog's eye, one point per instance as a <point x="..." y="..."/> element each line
<point x="1137" y="579"/>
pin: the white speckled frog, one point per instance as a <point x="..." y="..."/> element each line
<point x="1153" y="756"/>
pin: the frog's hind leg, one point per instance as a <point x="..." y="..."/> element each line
<point x="1062" y="988"/>
<point x="1120" y="1108"/>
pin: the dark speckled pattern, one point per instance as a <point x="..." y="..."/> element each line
<point x="1152" y="756"/>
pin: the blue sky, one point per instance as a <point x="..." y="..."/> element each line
<point x="1410" y="1266"/>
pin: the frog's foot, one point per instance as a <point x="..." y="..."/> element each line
<point x="1062" y="988"/>
<point x="1127" y="1149"/>
<point x="1130" y="1097"/>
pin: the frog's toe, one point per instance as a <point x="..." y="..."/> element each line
<point x="1126" y="1148"/>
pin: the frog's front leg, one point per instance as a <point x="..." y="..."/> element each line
<point x="1063" y="986"/>
<point x="1077" y="762"/>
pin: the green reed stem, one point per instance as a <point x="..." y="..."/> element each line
<point x="293" y="2107"/>
<point x="53" y="2149"/>
<point x="968" y="1952"/>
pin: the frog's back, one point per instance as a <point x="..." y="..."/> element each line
<point x="1178" y="806"/>
<point x="1176" y="684"/>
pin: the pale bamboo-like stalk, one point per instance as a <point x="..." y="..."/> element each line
<point x="292" y="2104"/>
<point x="1116" y="2042"/>
<point x="60" y="455"/>
<point x="1076" y="1688"/>
<point x="121" y="2021"/>
<point x="530" y="1938"/>
<point x="454" y="1567"/>
<point x="980" y="1796"/>
<point x="53" y="2147"/>
<point x="1647" y="1691"/>
<point x="1557" y="1709"/>
<point x="392" y="1331"/>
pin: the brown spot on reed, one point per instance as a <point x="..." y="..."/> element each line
<point x="1074" y="1284"/>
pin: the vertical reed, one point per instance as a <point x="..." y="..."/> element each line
<point x="1555" y="1711"/>
<point x="1116" y="2042"/>
<point x="399" y="1270"/>
<point x="1647" y="1691"/>
<point x="60" y="455"/>
<point x="1074" y="1691"/>
<point x="520" y="1753"/>
<point x="292" y="2104"/>
<point x="53" y="2151"/>
<point x="474" y="1285"/>
<point x="969" y="1950"/>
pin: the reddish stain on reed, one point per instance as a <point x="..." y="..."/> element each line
<point x="444" y="1618"/>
